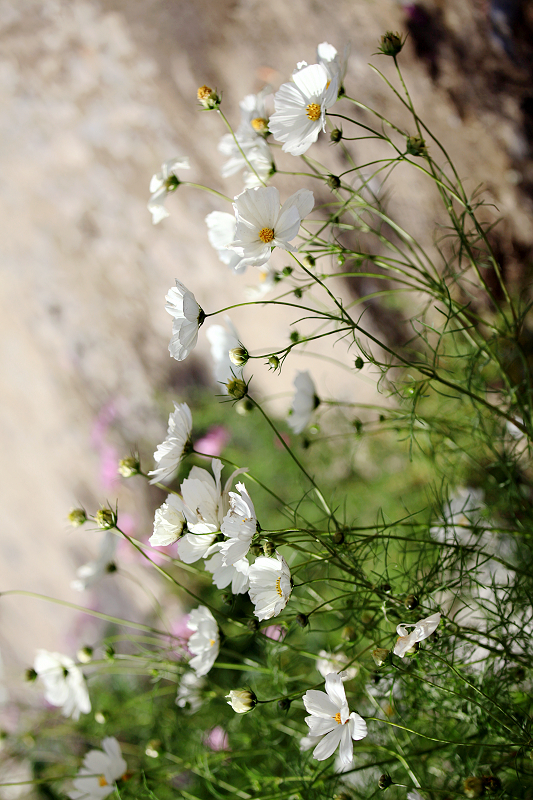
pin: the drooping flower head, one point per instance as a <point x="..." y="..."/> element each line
<point x="263" y="224"/>
<point x="205" y="641"/>
<point x="239" y="525"/>
<point x="177" y="442"/>
<point x="162" y="183"/>
<point x="101" y="768"/>
<point x="222" y="340"/>
<point x="205" y="505"/>
<point x="89" y="574"/>
<point x="270" y="586"/>
<point x="332" y="721"/>
<point x="64" y="684"/>
<point x="236" y="574"/>
<point x="421" y="630"/>
<point x="188" y="317"/>
<point x="221" y="228"/>
<point x="253" y="155"/>
<point x="301" y="108"/>
<point x="169" y="522"/>
<point x="304" y="402"/>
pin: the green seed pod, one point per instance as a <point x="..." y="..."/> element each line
<point x="77" y="517"/>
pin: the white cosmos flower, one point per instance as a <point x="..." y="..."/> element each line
<point x="169" y="522"/>
<point x="236" y="574"/>
<point x="334" y="662"/>
<point x="421" y="630"/>
<point x="239" y="525"/>
<point x="205" y="505"/>
<point x="331" y="719"/>
<point x="301" y="108"/>
<point x="250" y="154"/>
<point x="101" y="768"/>
<point x="304" y="402"/>
<point x="205" y="641"/>
<point x="188" y="317"/>
<point x="170" y="452"/>
<point x="221" y="229"/>
<point x="222" y="340"/>
<point x="270" y="586"/>
<point x="91" y="573"/>
<point x="328" y="56"/>
<point x="254" y="114"/>
<point x="64" y="684"/>
<point x="263" y="224"/>
<point x="162" y="183"/>
<point x="189" y="692"/>
<point x="266" y="282"/>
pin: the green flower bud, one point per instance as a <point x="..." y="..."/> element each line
<point x="273" y="362"/>
<point x="411" y="602"/>
<point x="128" y="467"/>
<point x="287" y="272"/>
<point x="109" y="653"/>
<point x="244" y="407"/>
<point x="85" y="654"/>
<point x="333" y="182"/>
<point x="294" y="337"/>
<point x="105" y="518"/>
<point x="237" y="388"/>
<point x="336" y="135"/>
<point x="359" y="363"/>
<point x="309" y="260"/>
<point x="268" y="548"/>
<point x="239" y="356"/>
<point x="298" y="292"/>
<point x="253" y="625"/>
<point x="302" y="620"/>
<point x="338" y="537"/>
<point x="30" y="675"/>
<point x="380" y="656"/>
<point x="384" y="781"/>
<point x="391" y="44"/>
<point x="77" y="517"/>
<point x="416" y="146"/>
<point x="284" y="704"/>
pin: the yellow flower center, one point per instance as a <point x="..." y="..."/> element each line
<point x="313" y="111"/>
<point x="102" y="781"/>
<point x="337" y="718"/>
<point x="278" y="587"/>
<point x="204" y="92"/>
<point x="266" y="235"/>
<point x="259" y="124"/>
<point x="211" y="642"/>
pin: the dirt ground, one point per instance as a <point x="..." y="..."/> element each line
<point x="94" y="96"/>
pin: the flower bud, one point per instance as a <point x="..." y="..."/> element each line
<point x="336" y="135"/>
<point x="244" y="407"/>
<point x="391" y="44"/>
<point x="268" y="548"/>
<point x="286" y="272"/>
<point x="298" y="292"/>
<point x="85" y="654"/>
<point x="338" y="537"/>
<point x="380" y="656"/>
<point x="473" y="787"/>
<point x="239" y="356"/>
<point x="30" y="675"/>
<point x="359" y="363"/>
<point x="77" y="517"/>
<point x="227" y="598"/>
<point x="294" y="337"/>
<point x="302" y="620"/>
<point x="310" y="260"/>
<point x="384" y="781"/>
<point x="237" y="388"/>
<point x="152" y="748"/>
<point x="333" y="182"/>
<point x="253" y="625"/>
<point x="207" y="97"/>
<point x="284" y="704"/>
<point x="128" y="467"/>
<point x="416" y="146"/>
<point x="411" y="602"/>
<point x="109" y="653"/>
<point x="105" y="518"/>
<point x="241" y="700"/>
<point x="348" y="633"/>
<point x="273" y="362"/>
<point x="100" y="717"/>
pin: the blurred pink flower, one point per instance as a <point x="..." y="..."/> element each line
<point x="217" y="739"/>
<point x="213" y="442"/>
<point x="276" y="632"/>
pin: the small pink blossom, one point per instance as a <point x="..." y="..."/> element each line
<point x="275" y="632"/>
<point x="217" y="739"/>
<point x="213" y="442"/>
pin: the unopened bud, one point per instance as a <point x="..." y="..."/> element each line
<point x="238" y="356"/>
<point x="253" y="625"/>
<point x="333" y="182"/>
<point x="298" y="292"/>
<point x="241" y="700"/>
<point x="152" y="748"/>
<point x="384" y="781"/>
<point x="244" y="407"/>
<point x="207" y="97"/>
<point x="310" y="260"/>
<point x="105" y="518"/>
<point x="359" y="363"/>
<point x="380" y="656"/>
<point x="128" y="467"/>
<point x="30" y="675"/>
<point x="100" y="717"/>
<point x="109" y="653"/>
<point x="336" y="135"/>
<point x="268" y="548"/>
<point x="273" y="362"/>
<point x="416" y="146"/>
<point x="338" y="537"/>
<point x="85" y="654"/>
<point x="227" y="598"/>
<point x="237" y="388"/>
<point x="284" y="704"/>
<point x="286" y="271"/>
<point x="348" y="633"/>
<point x="473" y="787"/>
<point x="302" y="620"/>
<point x="411" y="602"/>
<point x="294" y="337"/>
<point x="391" y="44"/>
<point x="77" y="517"/>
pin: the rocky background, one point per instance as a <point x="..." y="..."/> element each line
<point x="94" y="95"/>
